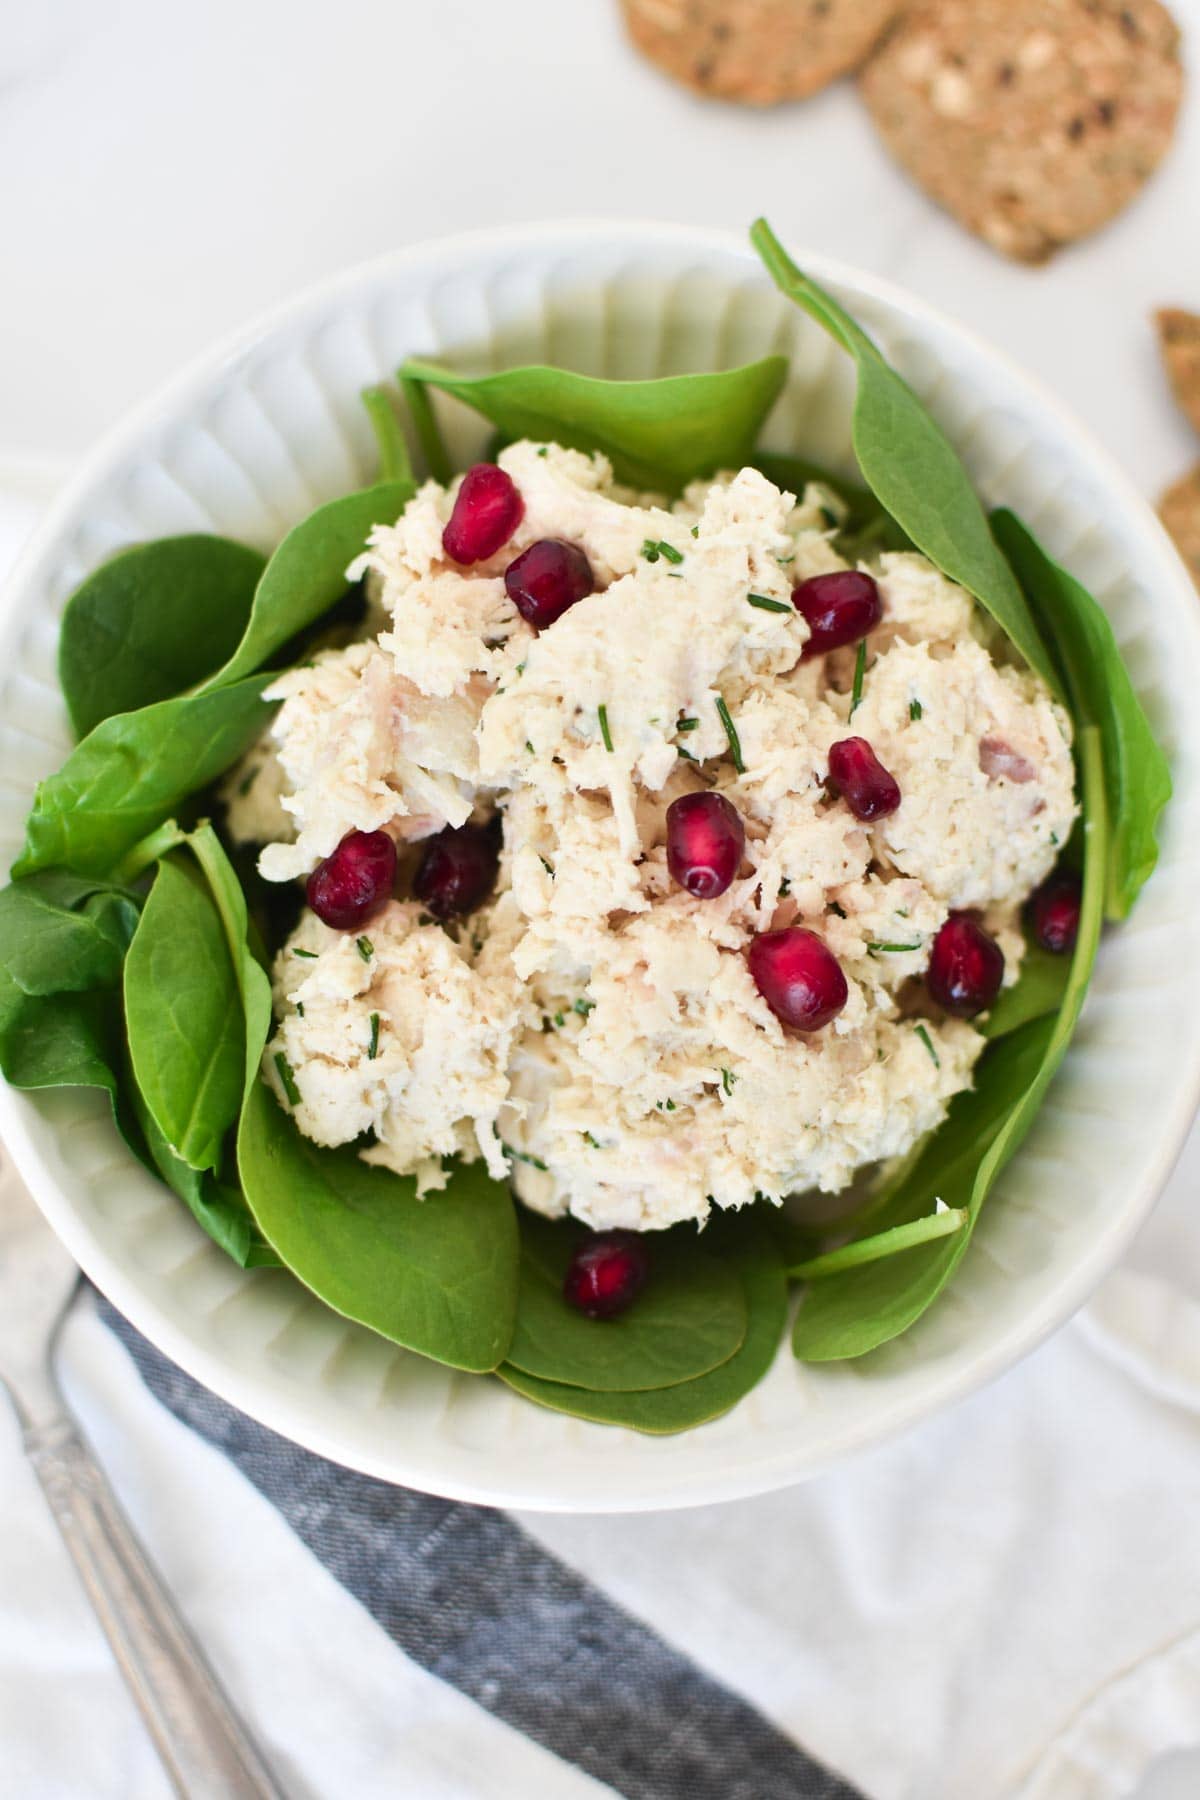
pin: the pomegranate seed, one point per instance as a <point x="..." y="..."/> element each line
<point x="798" y="976"/>
<point x="966" y="966"/>
<point x="350" y="886"/>
<point x="705" y="840"/>
<point x="1054" y="912"/>
<point x="856" y="773"/>
<point x="606" y="1274"/>
<point x="548" y="578"/>
<point x="457" y="871"/>
<point x="487" y="511"/>
<point x="840" y="608"/>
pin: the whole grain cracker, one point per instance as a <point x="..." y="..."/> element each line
<point x="757" y="51"/>
<point x="1032" y="121"/>
<point x="1179" y="510"/>
<point x="1179" y="340"/>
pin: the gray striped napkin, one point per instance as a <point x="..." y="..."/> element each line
<point x="468" y="1595"/>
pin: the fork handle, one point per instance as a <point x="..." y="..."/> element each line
<point x="203" y="1747"/>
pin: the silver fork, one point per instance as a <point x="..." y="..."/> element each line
<point x="204" y="1748"/>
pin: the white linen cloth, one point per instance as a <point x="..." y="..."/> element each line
<point x="1004" y="1605"/>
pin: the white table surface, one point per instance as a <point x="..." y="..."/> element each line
<point x="168" y="171"/>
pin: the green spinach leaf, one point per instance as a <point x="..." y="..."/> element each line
<point x="307" y="573"/>
<point x="394" y="461"/>
<point x="1038" y="990"/>
<point x="253" y="984"/>
<point x="437" y="1275"/>
<point x="132" y="772"/>
<point x="1137" y="778"/>
<point x="689" y="1318"/>
<point x="220" y="1212"/>
<point x="61" y="934"/>
<point x="849" y="1314"/>
<point x="748" y="1248"/>
<point x="910" y="465"/>
<point x="183" y="1017"/>
<point x="152" y="621"/>
<point x="657" y="434"/>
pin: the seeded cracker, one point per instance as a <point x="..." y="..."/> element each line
<point x="1179" y="339"/>
<point x="1179" y="510"/>
<point x="1032" y="121"/>
<point x="757" y="51"/>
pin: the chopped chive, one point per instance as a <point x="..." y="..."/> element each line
<point x="530" y="748"/>
<point x="674" y="574"/>
<point x="915" y="709"/>
<point x="860" y="665"/>
<point x="543" y="449"/>
<point x="727" y="1080"/>
<point x="669" y="551"/>
<point x="535" y="1162"/>
<point x="520" y="668"/>
<point x="670" y="1105"/>
<point x="299" y="1009"/>
<point x="695" y="531"/>
<point x="546" y="865"/>
<point x="309" y="955"/>
<point x="686" y="754"/>
<point x="785" y="888"/>
<point x="735" y="743"/>
<point x="284" y="1069"/>
<point x="687" y="724"/>
<point x="366" y="948"/>
<point x="650" y="550"/>
<point x="591" y="1140"/>
<point x="560" y="1020"/>
<point x="839" y="911"/>
<point x="929" y="1045"/>
<point x="373" y="1046"/>
<point x="247" y="782"/>
<point x="605" y="733"/>
<point x="899" y="949"/>
<point x="583" y="1006"/>
<point x="766" y="604"/>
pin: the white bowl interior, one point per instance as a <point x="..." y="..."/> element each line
<point x="254" y="436"/>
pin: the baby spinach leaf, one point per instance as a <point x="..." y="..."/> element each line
<point x="219" y="1211"/>
<point x="152" y="621"/>
<point x="394" y="461"/>
<point x="910" y="465"/>
<point x="253" y="984"/>
<point x="1137" y="778"/>
<point x="59" y="1040"/>
<point x="307" y="573"/>
<point x="183" y="1017"/>
<point x="689" y="1318"/>
<point x="1038" y="990"/>
<point x="132" y="772"/>
<point x="438" y="1275"/>
<point x="749" y="1250"/>
<point x="60" y="933"/>
<point x="849" y="1314"/>
<point x="429" y="436"/>
<point x="657" y="434"/>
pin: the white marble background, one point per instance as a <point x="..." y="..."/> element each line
<point x="168" y="170"/>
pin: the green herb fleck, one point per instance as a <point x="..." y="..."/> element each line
<point x="687" y="725"/>
<point x="897" y="949"/>
<point x="591" y="1140"/>
<point x="549" y="870"/>
<point x="605" y="733"/>
<point x="735" y="743"/>
<point x="669" y="551"/>
<point x="860" y="665"/>
<point x="520" y="668"/>
<point x="308" y="955"/>
<point x="583" y="1006"/>
<point x="766" y="604"/>
<point x="728" y="1078"/>
<point x="785" y="888"/>
<point x="373" y="1046"/>
<point x="365" y="947"/>
<point x="543" y="449"/>
<point x="695" y="531"/>
<point x="686" y="754"/>
<point x="535" y="1162"/>
<point x="650" y="550"/>
<point x="299" y="1009"/>
<point x="530" y="748"/>
<point x="560" y="1020"/>
<point x="915" y="709"/>
<point x="284" y="1068"/>
<point x="838" y="911"/>
<point x="925" y="1038"/>
<point x="670" y="1105"/>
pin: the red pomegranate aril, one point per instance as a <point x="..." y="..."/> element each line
<point x="856" y="773"/>
<point x="457" y="870"/>
<point x="705" y="840"/>
<point x="487" y="510"/>
<point x="966" y="967"/>
<point x="350" y="886"/>
<point x="606" y="1274"/>
<point x="546" y="579"/>
<point x="840" y="608"/>
<point x="1054" y="913"/>
<point x="798" y="976"/>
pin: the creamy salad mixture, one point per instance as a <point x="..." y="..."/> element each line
<point x="593" y="1026"/>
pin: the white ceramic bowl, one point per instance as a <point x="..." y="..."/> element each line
<point x="247" y="441"/>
